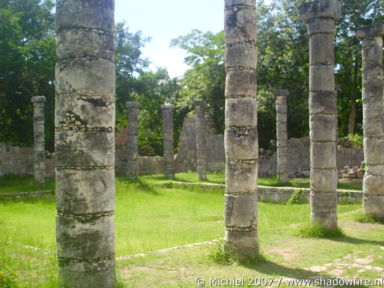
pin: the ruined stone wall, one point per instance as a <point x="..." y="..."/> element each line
<point x="19" y="160"/>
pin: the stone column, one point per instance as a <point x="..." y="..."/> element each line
<point x="169" y="166"/>
<point x="320" y="17"/>
<point x="373" y="119"/>
<point x="132" y="148"/>
<point x="241" y="141"/>
<point x="201" y="145"/>
<point x="282" y="135"/>
<point x="85" y="142"/>
<point x="39" y="139"/>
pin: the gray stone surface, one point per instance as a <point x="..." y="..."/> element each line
<point x="169" y="163"/>
<point x="282" y="134"/>
<point x="373" y="118"/>
<point x="39" y="139"/>
<point x="201" y="143"/>
<point x="320" y="18"/>
<point x="240" y="138"/>
<point x="85" y="143"/>
<point x="132" y="147"/>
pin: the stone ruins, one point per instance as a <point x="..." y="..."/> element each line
<point x="85" y="143"/>
<point x="201" y="146"/>
<point x="282" y="135"/>
<point x="320" y="18"/>
<point x="373" y="113"/>
<point x="241" y="141"/>
<point x="132" y="148"/>
<point x="39" y="139"/>
<point x="169" y="165"/>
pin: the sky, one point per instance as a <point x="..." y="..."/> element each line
<point x="164" y="20"/>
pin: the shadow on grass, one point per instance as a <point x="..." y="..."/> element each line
<point x="140" y="184"/>
<point x="357" y="241"/>
<point x="270" y="268"/>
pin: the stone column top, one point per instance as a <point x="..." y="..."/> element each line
<point x="38" y="99"/>
<point x="374" y="30"/>
<point x="200" y="103"/>
<point x="133" y="104"/>
<point x="281" y="92"/>
<point x="320" y="8"/>
<point x="167" y="106"/>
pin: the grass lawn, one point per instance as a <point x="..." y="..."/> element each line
<point x="11" y="184"/>
<point x="218" y="178"/>
<point x="149" y="218"/>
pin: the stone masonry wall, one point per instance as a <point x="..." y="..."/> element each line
<point x="19" y="160"/>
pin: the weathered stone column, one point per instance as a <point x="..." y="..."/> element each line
<point x="39" y="139"/>
<point x="132" y="148"/>
<point x="85" y="142"/>
<point x="201" y="145"/>
<point x="282" y="134"/>
<point x="169" y="166"/>
<point x="373" y="119"/>
<point x="241" y="141"/>
<point x="320" y="17"/>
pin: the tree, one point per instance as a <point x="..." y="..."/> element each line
<point x="205" y="80"/>
<point x="27" y="61"/>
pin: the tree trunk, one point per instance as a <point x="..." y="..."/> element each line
<point x="241" y="146"/>
<point x="320" y="17"/>
<point x="85" y="141"/>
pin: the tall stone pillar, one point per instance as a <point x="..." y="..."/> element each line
<point x="320" y="17"/>
<point x="132" y="148"/>
<point x="373" y="119"/>
<point x="241" y="141"/>
<point x="39" y="139"/>
<point x="201" y="145"/>
<point x="169" y="165"/>
<point x="85" y="142"/>
<point x="282" y="135"/>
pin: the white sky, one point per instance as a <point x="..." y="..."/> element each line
<point x="163" y="20"/>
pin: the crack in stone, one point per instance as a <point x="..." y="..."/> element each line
<point x="241" y="193"/>
<point x="250" y="43"/>
<point x="238" y="7"/>
<point x="239" y="68"/>
<point x="85" y="168"/>
<point x="86" y="218"/>
<point x="250" y="228"/>
<point x="98" y="102"/>
<point x="65" y="261"/>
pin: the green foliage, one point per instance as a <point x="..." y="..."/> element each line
<point x="297" y="198"/>
<point x="356" y="140"/>
<point x="206" y="78"/>
<point x="221" y="255"/>
<point x="7" y="279"/>
<point x="318" y="231"/>
<point x="27" y="61"/>
<point x="364" y="218"/>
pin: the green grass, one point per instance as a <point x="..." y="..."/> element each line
<point x="12" y="184"/>
<point x="149" y="218"/>
<point x="218" y="178"/>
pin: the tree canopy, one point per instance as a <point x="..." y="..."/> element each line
<point x="27" y="61"/>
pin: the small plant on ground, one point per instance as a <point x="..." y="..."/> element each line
<point x="297" y="198"/>
<point x="222" y="254"/>
<point x="363" y="218"/>
<point x="7" y="279"/>
<point x="318" y="231"/>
